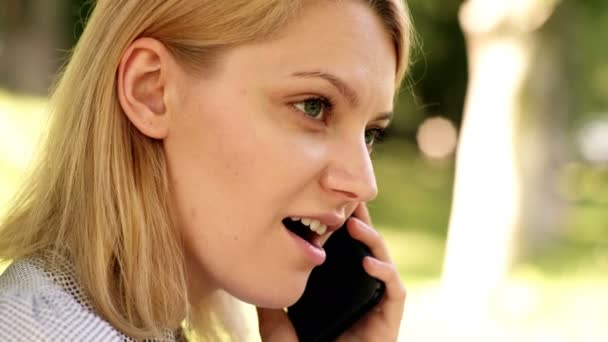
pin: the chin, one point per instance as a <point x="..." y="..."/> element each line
<point x="278" y="302"/>
<point x="279" y="298"/>
<point x="275" y="296"/>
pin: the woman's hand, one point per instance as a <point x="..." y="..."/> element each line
<point x="383" y="321"/>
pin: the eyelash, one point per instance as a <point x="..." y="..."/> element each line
<point x="328" y="106"/>
<point x="380" y="134"/>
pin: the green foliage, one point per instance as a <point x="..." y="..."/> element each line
<point x="439" y="72"/>
<point x="414" y="193"/>
<point x="592" y="57"/>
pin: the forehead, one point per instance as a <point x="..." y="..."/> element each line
<point x="344" y="38"/>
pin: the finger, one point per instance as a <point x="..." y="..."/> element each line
<point x="370" y="237"/>
<point x="394" y="298"/>
<point x="362" y="213"/>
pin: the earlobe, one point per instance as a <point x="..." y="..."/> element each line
<point x="141" y="87"/>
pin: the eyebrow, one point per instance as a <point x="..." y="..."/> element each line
<point x="344" y="89"/>
<point x="384" y="116"/>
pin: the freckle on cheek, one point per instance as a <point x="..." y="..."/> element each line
<point x="192" y="213"/>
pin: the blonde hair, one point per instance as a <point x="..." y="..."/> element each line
<point x="98" y="191"/>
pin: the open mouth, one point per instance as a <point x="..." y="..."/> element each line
<point x="300" y="229"/>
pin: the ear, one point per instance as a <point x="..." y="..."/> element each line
<point x="141" y="86"/>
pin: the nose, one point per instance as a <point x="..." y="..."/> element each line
<point x="350" y="174"/>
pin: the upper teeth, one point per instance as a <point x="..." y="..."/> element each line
<point x="314" y="225"/>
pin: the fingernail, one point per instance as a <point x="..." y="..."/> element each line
<point x="363" y="225"/>
<point x="373" y="261"/>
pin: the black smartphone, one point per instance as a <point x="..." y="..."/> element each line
<point x="338" y="293"/>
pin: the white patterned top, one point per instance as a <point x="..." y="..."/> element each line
<point x="38" y="303"/>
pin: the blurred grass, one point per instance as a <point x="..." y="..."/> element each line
<point x="555" y="295"/>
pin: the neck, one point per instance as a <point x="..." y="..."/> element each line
<point x="200" y="286"/>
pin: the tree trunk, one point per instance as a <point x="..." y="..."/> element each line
<point x="487" y="189"/>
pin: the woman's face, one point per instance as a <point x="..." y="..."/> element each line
<point x="281" y="129"/>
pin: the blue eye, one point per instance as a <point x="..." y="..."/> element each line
<point x="374" y="135"/>
<point x="315" y="108"/>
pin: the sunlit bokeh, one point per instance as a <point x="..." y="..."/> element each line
<point x="593" y="141"/>
<point x="437" y="137"/>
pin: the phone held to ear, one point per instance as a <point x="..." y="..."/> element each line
<point x="339" y="292"/>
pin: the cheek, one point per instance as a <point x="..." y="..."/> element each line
<point x="250" y="146"/>
<point x="223" y="154"/>
<point x="236" y="169"/>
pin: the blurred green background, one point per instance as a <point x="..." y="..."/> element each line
<point x="554" y="286"/>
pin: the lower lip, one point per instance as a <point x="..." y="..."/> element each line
<point x="315" y="254"/>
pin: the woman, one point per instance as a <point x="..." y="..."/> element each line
<point x="183" y="134"/>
